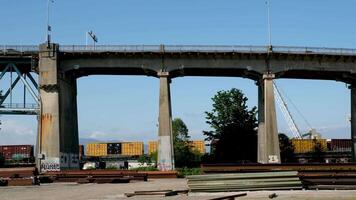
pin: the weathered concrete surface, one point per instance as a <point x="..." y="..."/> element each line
<point x="165" y="142"/>
<point x="58" y="127"/>
<point x="60" y="191"/>
<point x="268" y="142"/>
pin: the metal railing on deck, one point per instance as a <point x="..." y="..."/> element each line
<point x="4" y="49"/>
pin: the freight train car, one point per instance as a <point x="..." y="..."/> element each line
<point x="17" y="153"/>
<point x="308" y="145"/>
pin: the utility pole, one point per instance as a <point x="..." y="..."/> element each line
<point x="48" y="28"/>
<point x="93" y="36"/>
<point x="269" y="25"/>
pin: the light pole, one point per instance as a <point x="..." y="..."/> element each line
<point x="269" y="25"/>
<point x="48" y="28"/>
<point x="93" y="36"/>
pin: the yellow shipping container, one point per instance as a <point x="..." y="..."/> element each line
<point x="97" y="149"/>
<point x="308" y="145"/>
<point x="132" y="148"/>
<point x="152" y="147"/>
<point x="198" y="145"/>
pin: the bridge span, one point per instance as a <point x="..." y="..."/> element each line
<point x="58" y="67"/>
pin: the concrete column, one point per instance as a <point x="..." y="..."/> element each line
<point x="353" y="121"/>
<point x="268" y="142"/>
<point x="58" y="142"/>
<point x="165" y="141"/>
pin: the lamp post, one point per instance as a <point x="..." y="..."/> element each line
<point x="93" y="36"/>
<point x="48" y="28"/>
<point x="269" y="25"/>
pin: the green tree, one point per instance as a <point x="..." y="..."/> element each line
<point x="233" y="127"/>
<point x="287" y="149"/>
<point x="183" y="154"/>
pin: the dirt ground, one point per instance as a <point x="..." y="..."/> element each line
<point x="73" y="191"/>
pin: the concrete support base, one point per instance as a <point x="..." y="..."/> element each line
<point x="268" y="142"/>
<point x="353" y="121"/>
<point x="165" y="143"/>
<point x="58" y="143"/>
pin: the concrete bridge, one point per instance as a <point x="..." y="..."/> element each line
<point x="58" y="67"/>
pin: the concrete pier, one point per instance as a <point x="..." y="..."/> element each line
<point x="268" y="142"/>
<point x="58" y="143"/>
<point x="353" y="121"/>
<point x="165" y="140"/>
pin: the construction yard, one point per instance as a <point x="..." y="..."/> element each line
<point x="95" y="191"/>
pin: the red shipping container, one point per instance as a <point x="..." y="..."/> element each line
<point x="10" y="151"/>
<point x="81" y="151"/>
<point x="340" y="145"/>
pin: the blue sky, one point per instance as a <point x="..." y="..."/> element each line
<point x="126" y="107"/>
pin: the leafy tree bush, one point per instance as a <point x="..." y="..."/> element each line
<point x="233" y="127"/>
<point x="184" y="156"/>
<point x="287" y="149"/>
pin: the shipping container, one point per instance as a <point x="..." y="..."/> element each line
<point x="340" y="145"/>
<point x="96" y="149"/>
<point x="114" y="148"/>
<point x="198" y="145"/>
<point x="81" y="151"/>
<point x="308" y="145"/>
<point x="15" y="152"/>
<point x="152" y="147"/>
<point x="132" y="148"/>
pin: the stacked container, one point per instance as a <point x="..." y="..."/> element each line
<point x="340" y="145"/>
<point x="152" y="147"/>
<point x="97" y="149"/>
<point x="132" y="148"/>
<point x="198" y="145"/>
<point x="114" y="148"/>
<point x="81" y="151"/>
<point x="308" y="145"/>
<point x="17" y="152"/>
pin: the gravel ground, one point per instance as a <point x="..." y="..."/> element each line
<point x="73" y="191"/>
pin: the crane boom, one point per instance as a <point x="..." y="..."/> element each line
<point x="288" y="117"/>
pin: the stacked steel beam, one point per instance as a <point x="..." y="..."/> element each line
<point x="18" y="176"/>
<point x="244" y="182"/>
<point x="328" y="179"/>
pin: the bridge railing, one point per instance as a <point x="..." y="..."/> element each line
<point x="5" y="49"/>
<point x="18" y="48"/>
<point x="314" y="50"/>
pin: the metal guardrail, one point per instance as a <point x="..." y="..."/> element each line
<point x="4" y="49"/>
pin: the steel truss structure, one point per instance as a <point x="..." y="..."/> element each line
<point x="11" y="108"/>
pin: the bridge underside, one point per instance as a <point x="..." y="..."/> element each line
<point x="253" y="66"/>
